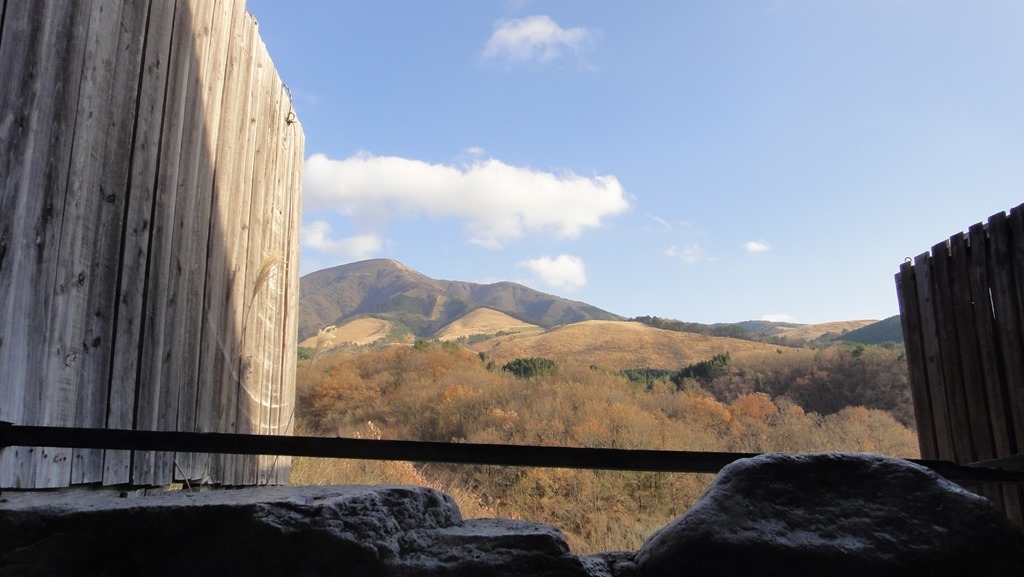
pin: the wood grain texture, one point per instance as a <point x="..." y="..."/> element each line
<point x="144" y="275"/>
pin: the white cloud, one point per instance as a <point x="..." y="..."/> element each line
<point x="497" y="203"/>
<point x="756" y="246"/>
<point x="317" y="235"/>
<point x="778" y="318"/>
<point x="565" y="271"/>
<point x="689" y="254"/>
<point x="660" y="224"/>
<point x="536" y="38"/>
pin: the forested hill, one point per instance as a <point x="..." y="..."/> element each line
<point x="389" y="290"/>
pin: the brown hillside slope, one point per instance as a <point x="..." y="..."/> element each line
<point x="358" y="332"/>
<point x="483" y="321"/>
<point x="816" y="330"/>
<point x="618" y="345"/>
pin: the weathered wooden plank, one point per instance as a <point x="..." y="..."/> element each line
<point x="1007" y="356"/>
<point x="226" y="268"/>
<point x="973" y="310"/>
<point x="910" y="317"/>
<point x="286" y="424"/>
<point x="211" y="33"/>
<point x="248" y="249"/>
<point x="1008" y="348"/>
<point x="1014" y="343"/>
<point x="87" y="466"/>
<point x="51" y="402"/>
<point x="76" y="396"/>
<point x="186" y="222"/>
<point x="932" y="356"/>
<point x="990" y="419"/>
<point x="199" y="419"/>
<point x="272" y="294"/>
<point x="945" y="297"/>
<point x="157" y="398"/>
<point x="276" y="306"/>
<point x="966" y="391"/>
<point x="135" y="243"/>
<point x="215" y="335"/>
<point x="24" y="128"/>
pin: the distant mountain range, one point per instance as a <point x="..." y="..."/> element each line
<point x="384" y="300"/>
<point x="388" y="290"/>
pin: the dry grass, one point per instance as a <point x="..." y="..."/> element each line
<point x="618" y="345"/>
<point x="809" y="332"/>
<point x="358" y="332"/>
<point x="319" y="471"/>
<point x="484" y="321"/>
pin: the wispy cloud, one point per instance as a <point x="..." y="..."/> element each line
<point x="564" y="271"/>
<point x="496" y="202"/>
<point x="778" y="318"/>
<point x="537" y="38"/>
<point x="689" y="253"/>
<point x="756" y="246"/>
<point x="660" y="224"/>
<point x="317" y="235"/>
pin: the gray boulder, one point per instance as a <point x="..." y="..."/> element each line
<point x="352" y="531"/>
<point x="838" y="515"/>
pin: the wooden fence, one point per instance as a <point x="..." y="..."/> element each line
<point x="150" y="172"/>
<point x="962" y="311"/>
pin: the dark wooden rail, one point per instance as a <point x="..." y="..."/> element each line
<point x="423" y="451"/>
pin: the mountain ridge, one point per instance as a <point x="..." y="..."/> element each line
<point x="387" y="289"/>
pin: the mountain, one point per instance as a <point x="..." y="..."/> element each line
<point x="888" y="330"/>
<point x="804" y="332"/>
<point x="388" y="290"/>
<point x="619" y="345"/>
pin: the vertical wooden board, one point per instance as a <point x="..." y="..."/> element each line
<point x="932" y="357"/>
<point x="968" y="402"/>
<point x="949" y="352"/>
<point x="52" y="402"/>
<point x="910" y="317"/>
<point x="197" y="416"/>
<point x="156" y="397"/>
<point x="234" y="222"/>
<point x="130" y="24"/>
<point x="135" y="241"/>
<point x="187" y="229"/>
<point x="1006" y="347"/>
<point x="1014" y="343"/>
<point x="249" y="252"/>
<point x="217" y="336"/>
<point x="973" y="309"/>
<point x="274" y="292"/>
<point x="991" y="423"/>
<point x="24" y="125"/>
<point x="214" y="27"/>
<point x="287" y="424"/>
<point x="66" y="374"/>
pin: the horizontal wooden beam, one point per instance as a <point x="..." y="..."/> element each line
<point x="424" y="451"/>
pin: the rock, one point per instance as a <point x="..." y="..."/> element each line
<point x="838" y="515"/>
<point x="380" y="531"/>
<point x="616" y="564"/>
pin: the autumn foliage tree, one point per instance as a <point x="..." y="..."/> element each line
<point x="447" y="394"/>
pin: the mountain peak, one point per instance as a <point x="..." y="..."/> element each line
<point x="387" y="289"/>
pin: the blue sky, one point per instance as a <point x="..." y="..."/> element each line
<point x="705" y="161"/>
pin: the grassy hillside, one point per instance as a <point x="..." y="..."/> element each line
<point x="618" y="345"/>
<point x="483" y="321"/>
<point x="888" y="330"/>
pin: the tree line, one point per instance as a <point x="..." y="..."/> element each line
<point x="436" y="393"/>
